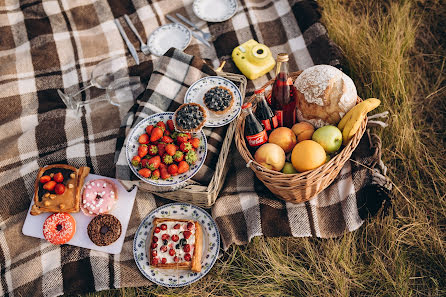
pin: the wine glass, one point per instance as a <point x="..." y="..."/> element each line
<point x="103" y="74"/>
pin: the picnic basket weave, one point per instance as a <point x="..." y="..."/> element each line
<point x="205" y="196"/>
<point x="300" y="187"/>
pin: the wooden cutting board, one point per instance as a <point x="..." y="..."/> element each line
<point x="122" y="210"/>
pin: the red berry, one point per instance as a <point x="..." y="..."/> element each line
<point x="181" y="138"/>
<point x="145" y="172"/>
<point x="155" y="239"/>
<point x="44" y="179"/>
<point x="179" y="156"/>
<point x="157" y="133"/>
<point x="142" y="150"/>
<point x="164" y="260"/>
<point x="144" y="162"/>
<point x="58" y="177"/>
<point x="187" y="248"/>
<point x="154" y="253"/>
<point x="153" y="149"/>
<point x="156" y="174"/>
<point x="172" y="252"/>
<point x="183" y="167"/>
<point x="195" y="142"/>
<point x="167" y="133"/>
<point x="164" y="174"/>
<point x="154" y="261"/>
<point x="161" y="148"/>
<point x="171" y="149"/>
<point x="175" y="237"/>
<point x="163" y="248"/>
<point x="165" y="237"/>
<point x="176" y="259"/>
<point x="177" y="226"/>
<point x="187" y="234"/>
<point x="190" y="226"/>
<point x="167" y="159"/>
<point x="187" y="257"/>
<point x="154" y="245"/>
<point x="173" y="169"/>
<point x="170" y="125"/>
<point x="50" y="185"/>
<point x="185" y="147"/>
<point x="149" y="129"/>
<point x="166" y="139"/>
<point x="59" y="189"/>
<point x="189" y="136"/>
<point x="136" y="160"/>
<point x="163" y="227"/>
<point x="157" y="230"/>
<point x="161" y="125"/>
<point x="154" y="162"/>
<point x="143" y="139"/>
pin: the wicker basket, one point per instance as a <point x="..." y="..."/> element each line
<point x="298" y="187"/>
<point x="205" y="196"/>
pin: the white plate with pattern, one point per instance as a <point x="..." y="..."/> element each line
<point x="167" y="36"/>
<point x="196" y="92"/>
<point x="132" y="150"/>
<point x="173" y="277"/>
<point x="215" y="10"/>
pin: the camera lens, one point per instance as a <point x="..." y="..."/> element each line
<point x="260" y="51"/>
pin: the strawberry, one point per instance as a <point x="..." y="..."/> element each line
<point x="154" y="162"/>
<point x="142" y="150"/>
<point x="191" y="157"/>
<point x="136" y="160"/>
<point x="177" y="226"/>
<point x="157" y="230"/>
<point x="165" y="236"/>
<point x="143" y="139"/>
<point x="167" y="133"/>
<point x="178" y="157"/>
<point x="173" y="169"/>
<point x="154" y="253"/>
<point x="167" y="159"/>
<point x="50" y="185"/>
<point x="154" y="261"/>
<point x="187" y="257"/>
<point x="156" y="174"/>
<point x="172" y="252"/>
<point x="58" y="177"/>
<point x="186" y="248"/>
<point x="164" y="173"/>
<point x="171" y="149"/>
<point x="161" y="148"/>
<point x="195" y="142"/>
<point x="153" y="149"/>
<point x="145" y="172"/>
<point x="44" y="179"/>
<point x="162" y="165"/>
<point x="166" y="139"/>
<point x="176" y="259"/>
<point x="163" y="260"/>
<point x="170" y="125"/>
<point x="163" y="227"/>
<point x="149" y="129"/>
<point x="185" y="147"/>
<point x="190" y="226"/>
<point x="183" y="167"/>
<point x="181" y="137"/>
<point x="154" y="245"/>
<point x="189" y="136"/>
<point x="161" y="125"/>
<point x="144" y="162"/>
<point x="157" y="133"/>
<point x="187" y="234"/>
<point x="59" y="189"/>
<point x="175" y="238"/>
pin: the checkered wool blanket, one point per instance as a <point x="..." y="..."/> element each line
<point x="50" y="45"/>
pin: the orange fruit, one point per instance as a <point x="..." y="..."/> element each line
<point x="308" y="155"/>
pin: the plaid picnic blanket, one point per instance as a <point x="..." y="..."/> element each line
<point x="50" y="45"/>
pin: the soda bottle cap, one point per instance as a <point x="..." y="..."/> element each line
<point x="247" y="105"/>
<point x="282" y="57"/>
<point x="259" y="91"/>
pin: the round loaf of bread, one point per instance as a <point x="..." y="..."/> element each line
<point x="324" y="95"/>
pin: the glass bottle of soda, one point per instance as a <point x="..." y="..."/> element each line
<point x="264" y="113"/>
<point x="283" y="95"/>
<point x="255" y="133"/>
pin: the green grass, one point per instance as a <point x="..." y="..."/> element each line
<point x="395" y="52"/>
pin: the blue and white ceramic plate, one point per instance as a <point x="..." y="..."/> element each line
<point x="133" y="144"/>
<point x="195" y="94"/>
<point x="167" y="36"/>
<point x="214" y="11"/>
<point x="172" y="277"/>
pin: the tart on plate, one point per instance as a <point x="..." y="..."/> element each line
<point x="218" y="100"/>
<point x="189" y="117"/>
<point x="176" y="244"/>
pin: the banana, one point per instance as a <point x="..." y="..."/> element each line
<point x="351" y="122"/>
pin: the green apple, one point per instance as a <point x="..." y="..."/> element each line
<point x="330" y="137"/>
<point x="288" y="168"/>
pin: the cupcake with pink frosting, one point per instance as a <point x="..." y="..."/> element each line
<point x="98" y="197"/>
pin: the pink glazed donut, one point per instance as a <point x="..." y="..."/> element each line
<point x="98" y="197"/>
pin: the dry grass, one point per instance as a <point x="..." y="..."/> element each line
<point x="396" y="52"/>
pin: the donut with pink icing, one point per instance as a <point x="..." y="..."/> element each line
<point x="98" y="197"/>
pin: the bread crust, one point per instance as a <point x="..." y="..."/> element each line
<point x="71" y="196"/>
<point x="195" y="263"/>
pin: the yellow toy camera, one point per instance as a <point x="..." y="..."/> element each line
<point x="253" y="59"/>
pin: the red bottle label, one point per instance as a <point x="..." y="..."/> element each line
<point x="275" y="122"/>
<point x="267" y="123"/>
<point x="279" y="115"/>
<point x="257" y="139"/>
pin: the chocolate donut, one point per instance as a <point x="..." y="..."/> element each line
<point x="104" y="229"/>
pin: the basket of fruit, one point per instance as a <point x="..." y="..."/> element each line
<point x="317" y="146"/>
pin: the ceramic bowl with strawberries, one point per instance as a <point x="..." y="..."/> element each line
<point x="161" y="156"/>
